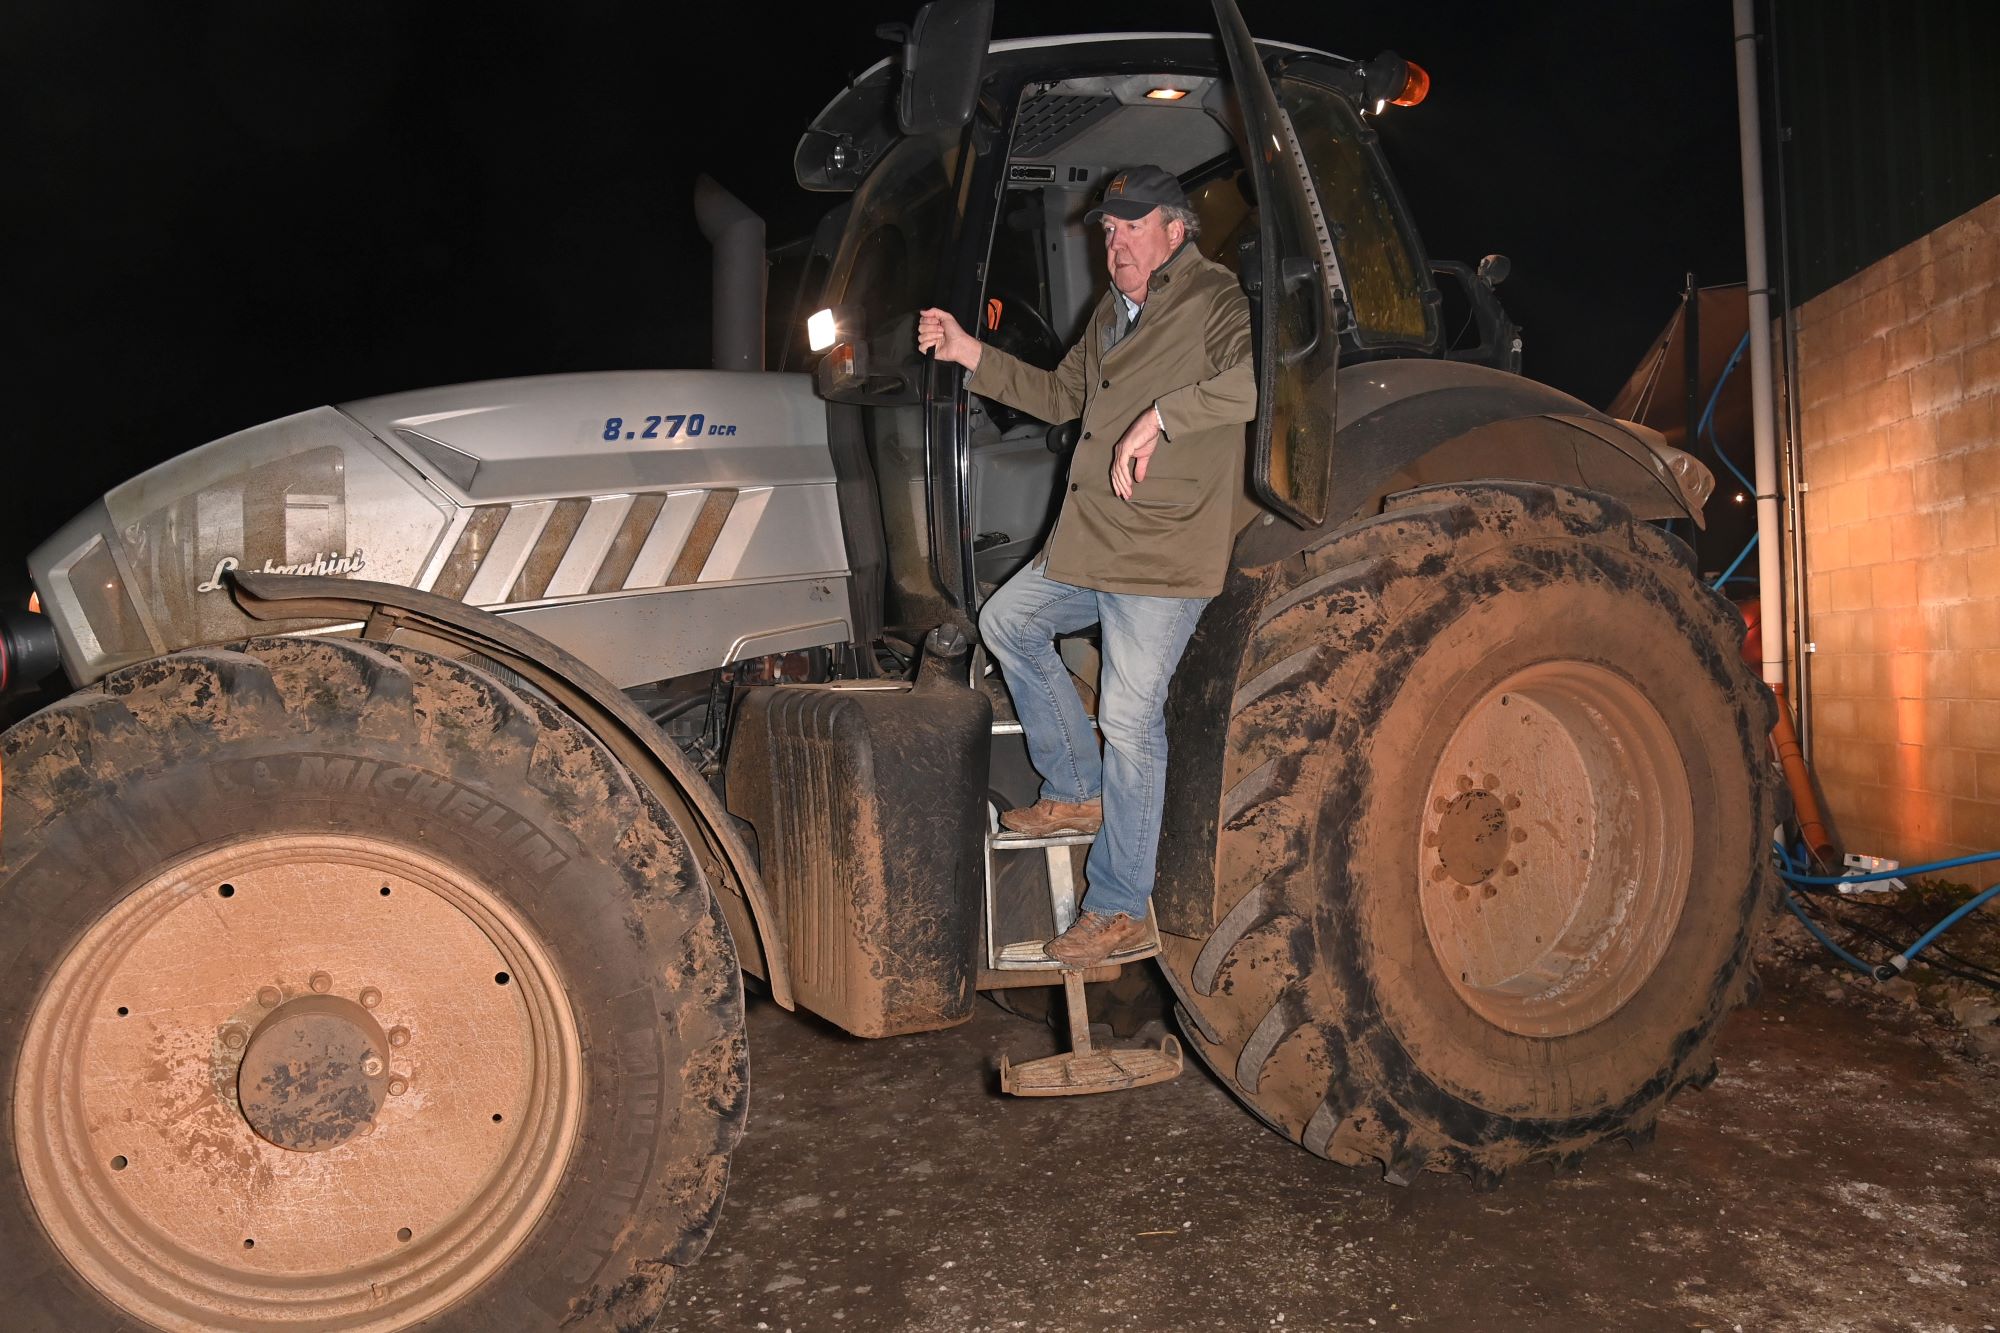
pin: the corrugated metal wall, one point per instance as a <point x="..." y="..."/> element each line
<point x="1893" y="112"/>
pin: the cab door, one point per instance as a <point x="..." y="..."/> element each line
<point x="1295" y="293"/>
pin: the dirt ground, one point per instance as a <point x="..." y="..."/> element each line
<point x="1843" y="1173"/>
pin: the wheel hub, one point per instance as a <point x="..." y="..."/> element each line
<point x="314" y="1074"/>
<point x="1555" y="850"/>
<point x="1472" y="837"/>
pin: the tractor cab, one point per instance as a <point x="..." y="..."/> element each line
<point x="985" y="218"/>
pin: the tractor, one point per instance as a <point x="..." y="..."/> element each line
<point x="435" y="768"/>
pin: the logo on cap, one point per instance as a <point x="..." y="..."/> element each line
<point x="1117" y="185"/>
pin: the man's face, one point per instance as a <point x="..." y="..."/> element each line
<point x="1132" y="250"/>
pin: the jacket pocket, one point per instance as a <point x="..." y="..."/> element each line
<point x="1167" y="493"/>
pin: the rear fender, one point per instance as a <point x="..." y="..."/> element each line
<point x="392" y="614"/>
<point x="1409" y="423"/>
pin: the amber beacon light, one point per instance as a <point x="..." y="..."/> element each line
<point x="1416" y="85"/>
<point x="1389" y="80"/>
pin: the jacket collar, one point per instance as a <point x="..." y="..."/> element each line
<point x="1157" y="288"/>
<point x="1163" y="276"/>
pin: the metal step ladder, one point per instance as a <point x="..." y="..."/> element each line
<point x="1084" y="1068"/>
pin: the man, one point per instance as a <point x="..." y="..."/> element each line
<point x="1163" y="381"/>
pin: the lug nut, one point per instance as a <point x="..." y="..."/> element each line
<point x="397" y="1087"/>
<point x="1488" y="891"/>
<point x="1490" y="781"/>
<point x="370" y="997"/>
<point x="399" y="1036"/>
<point x="1510" y="868"/>
<point x="1512" y="803"/>
<point x="1461" y="893"/>
<point x="320" y="982"/>
<point x="1464" y="782"/>
<point x="233" y="1037"/>
<point x="268" y="996"/>
<point x="1441" y="804"/>
<point x="371" y="1065"/>
<point x="1520" y="835"/>
<point x="1439" y="872"/>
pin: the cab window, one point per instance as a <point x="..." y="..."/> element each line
<point x="1386" y="279"/>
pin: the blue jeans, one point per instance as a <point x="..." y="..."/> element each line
<point x="1141" y="640"/>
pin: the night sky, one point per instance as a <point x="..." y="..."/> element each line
<point x="220" y="213"/>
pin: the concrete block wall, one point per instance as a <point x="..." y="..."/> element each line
<point x="1899" y="392"/>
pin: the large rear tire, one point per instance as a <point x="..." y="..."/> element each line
<point x="1491" y="853"/>
<point x="347" y="987"/>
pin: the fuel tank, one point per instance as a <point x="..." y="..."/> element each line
<point x="868" y="800"/>
<point x="654" y="523"/>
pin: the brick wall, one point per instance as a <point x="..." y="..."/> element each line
<point x="1899" y="389"/>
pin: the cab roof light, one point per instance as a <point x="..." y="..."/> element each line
<point x="1166" y="94"/>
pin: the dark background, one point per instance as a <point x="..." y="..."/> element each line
<point x="218" y="213"/>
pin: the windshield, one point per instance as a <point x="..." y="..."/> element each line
<point x="903" y="220"/>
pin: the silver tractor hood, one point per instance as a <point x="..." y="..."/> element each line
<point x="652" y="522"/>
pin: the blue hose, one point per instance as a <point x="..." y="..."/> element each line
<point x="1925" y="940"/>
<point x="1928" y="868"/>
<point x="1707" y="424"/>
<point x="1730" y="572"/>
<point x="1820" y="935"/>
<point x="1788" y="870"/>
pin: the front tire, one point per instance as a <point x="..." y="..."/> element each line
<point x="350" y="988"/>
<point x="1491" y="854"/>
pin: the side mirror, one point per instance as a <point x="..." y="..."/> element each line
<point x="1499" y="343"/>
<point x="944" y="54"/>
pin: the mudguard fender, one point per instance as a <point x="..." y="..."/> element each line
<point x="392" y="614"/>
<point x="1409" y="422"/>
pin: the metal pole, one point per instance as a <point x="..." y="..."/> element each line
<point x="1770" y="537"/>
<point x="1789" y="463"/>
<point x="1691" y="362"/>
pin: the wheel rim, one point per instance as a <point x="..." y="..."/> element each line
<point x="323" y="1081"/>
<point x="1555" y="847"/>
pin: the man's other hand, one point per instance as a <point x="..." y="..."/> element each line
<point x="936" y="329"/>
<point x="1132" y="452"/>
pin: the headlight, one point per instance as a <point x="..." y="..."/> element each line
<point x="820" y="330"/>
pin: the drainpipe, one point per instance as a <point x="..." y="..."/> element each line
<point x="1770" y="537"/>
<point x="740" y="276"/>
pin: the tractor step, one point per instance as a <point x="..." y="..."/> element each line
<point x="1006" y="840"/>
<point x="986" y="679"/>
<point x="1030" y="955"/>
<point x="1084" y="1069"/>
<point x="1033" y="955"/>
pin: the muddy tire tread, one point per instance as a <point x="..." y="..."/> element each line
<point x="271" y="691"/>
<point x="1328" y="609"/>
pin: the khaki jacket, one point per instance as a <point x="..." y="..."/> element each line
<point x="1190" y="354"/>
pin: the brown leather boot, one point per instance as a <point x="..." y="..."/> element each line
<point x="1046" y="818"/>
<point x="1096" y="937"/>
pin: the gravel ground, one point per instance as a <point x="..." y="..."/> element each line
<point x="1843" y="1173"/>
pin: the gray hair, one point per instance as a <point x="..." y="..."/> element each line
<point x="1185" y="216"/>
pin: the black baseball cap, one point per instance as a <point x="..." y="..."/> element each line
<point x="1137" y="191"/>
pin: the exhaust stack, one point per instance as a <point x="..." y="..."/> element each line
<point x="737" y="234"/>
